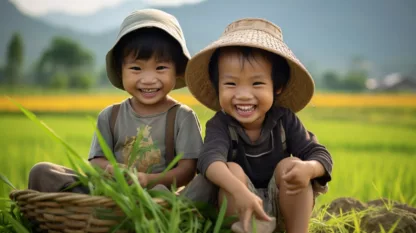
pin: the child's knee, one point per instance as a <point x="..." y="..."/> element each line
<point x="40" y="169"/>
<point x="200" y="189"/>
<point x="237" y="171"/>
<point x="38" y="174"/>
<point x="279" y="170"/>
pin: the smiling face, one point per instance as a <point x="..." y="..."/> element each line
<point x="148" y="81"/>
<point x="245" y="87"/>
<point x="148" y="61"/>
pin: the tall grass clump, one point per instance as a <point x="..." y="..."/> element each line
<point x="143" y="209"/>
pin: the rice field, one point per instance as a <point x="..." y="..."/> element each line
<point x="96" y="101"/>
<point x="371" y="139"/>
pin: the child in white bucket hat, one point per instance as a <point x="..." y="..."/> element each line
<point x="147" y="61"/>
<point x="256" y="150"/>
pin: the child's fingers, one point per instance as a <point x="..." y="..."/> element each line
<point x="289" y="176"/>
<point x="109" y="169"/>
<point x="245" y="219"/>
<point x="288" y="167"/>
<point x="293" y="192"/>
<point x="260" y="214"/>
<point x="291" y="186"/>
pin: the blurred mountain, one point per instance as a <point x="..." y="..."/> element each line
<point x="323" y="34"/>
<point x="101" y="21"/>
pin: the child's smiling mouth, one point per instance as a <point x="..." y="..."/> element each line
<point x="149" y="92"/>
<point x="245" y="110"/>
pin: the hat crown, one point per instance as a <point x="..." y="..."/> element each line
<point x="149" y="16"/>
<point x="255" y="24"/>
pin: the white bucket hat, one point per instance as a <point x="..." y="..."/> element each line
<point x="145" y="19"/>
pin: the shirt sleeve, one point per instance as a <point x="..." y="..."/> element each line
<point x="304" y="145"/>
<point x="189" y="140"/>
<point x="103" y="125"/>
<point x="216" y="144"/>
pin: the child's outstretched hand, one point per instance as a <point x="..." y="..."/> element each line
<point x="247" y="204"/>
<point x="143" y="179"/>
<point x="297" y="176"/>
<point x="110" y="169"/>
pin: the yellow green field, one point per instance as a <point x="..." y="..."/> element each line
<point x="96" y="101"/>
<point x="371" y="138"/>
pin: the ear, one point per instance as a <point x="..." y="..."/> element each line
<point x="278" y="91"/>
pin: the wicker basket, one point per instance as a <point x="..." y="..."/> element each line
<point x="69" y="212"/>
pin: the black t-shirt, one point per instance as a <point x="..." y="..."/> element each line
<point x="260" y="158"/>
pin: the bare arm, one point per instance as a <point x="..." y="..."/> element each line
<point x="246" y="203"/>
<point x="304" y="145"/>
<point x="101" y="162"/>
<point x="219" y="174"/>
<point x="317" y="169"/>
<point x="181" y="174"/>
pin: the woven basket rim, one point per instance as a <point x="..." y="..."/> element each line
<point x="40" y="196"/>
<point x="77" y="212"/>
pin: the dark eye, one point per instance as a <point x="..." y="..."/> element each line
<point x="161" y="67"/>
<point x="229" y="84"/>
<point x="136" y="68"/>
<point x="258" y="83"/>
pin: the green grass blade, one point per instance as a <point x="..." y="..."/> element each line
<point x="108" y="153"/>
<point x="168" y="168"/>
<point x="16" y="224"/>
<point x="207" y="226"/>
<point x="53" y="135"/>
<point x="221" y="216"/>
<point x="45" y="127"/>
<point x="394" y="226"/>
<point x="5" y="180"/>
<point x="136" y="146"/>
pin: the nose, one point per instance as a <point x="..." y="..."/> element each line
<point x="148" y="78"/>
<point x="243" y="93"/>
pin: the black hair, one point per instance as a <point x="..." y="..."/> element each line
<point x="280" y="67"/>
<point x="148" y="42"/>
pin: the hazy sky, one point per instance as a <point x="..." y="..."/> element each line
<point x="83" y="7"/>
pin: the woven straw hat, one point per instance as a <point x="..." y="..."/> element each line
<point x="144" y="19"/>
<point x="257" y="33"/>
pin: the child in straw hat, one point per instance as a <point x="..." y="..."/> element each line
<point x="147" y="61"/>
<point x="256" y="150"/>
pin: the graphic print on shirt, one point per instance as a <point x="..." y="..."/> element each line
<point x="146" y="159"/>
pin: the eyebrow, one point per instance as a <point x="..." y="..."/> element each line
<point x="131" y="62"/>
<point x="258" y="76"/>
<point x="229" y="76"/>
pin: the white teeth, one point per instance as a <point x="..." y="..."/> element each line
<point x="245" y="108"/>
<point x="149" y="90"/>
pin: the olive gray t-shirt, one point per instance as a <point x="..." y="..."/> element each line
<point x="187" y="136"/>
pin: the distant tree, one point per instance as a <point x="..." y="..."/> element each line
<point x="1" y="75"/>
<point x="14" y="62"/>
<point x="59" y="81"/>
<point x="331" y="80"/>
<point x="314" y="72"/>
<point x="357" y="75"/>
<point x="81" y="80"/>
<point x="102" y="78"/>
<point x="63" y="56"/>
<point x="412" y="72"/>
<point x="355" y="81"/>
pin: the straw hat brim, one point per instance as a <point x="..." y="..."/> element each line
<point x="296" y="94"/>
<point x="116" y="80"/>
